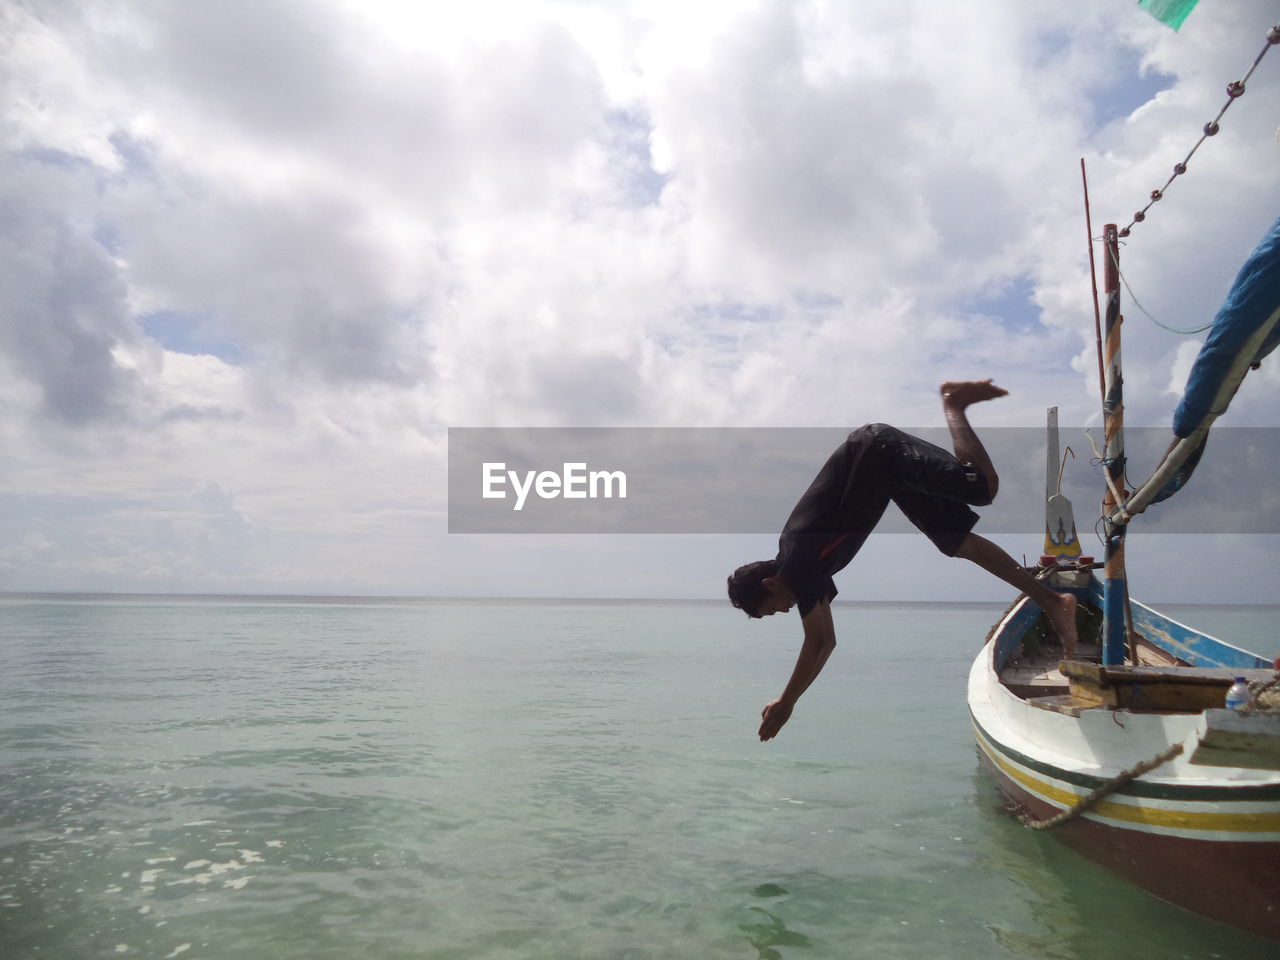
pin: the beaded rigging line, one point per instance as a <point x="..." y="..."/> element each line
<point x="1235" y="89"/>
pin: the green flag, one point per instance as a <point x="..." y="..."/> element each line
<point x="1169" y="12"/>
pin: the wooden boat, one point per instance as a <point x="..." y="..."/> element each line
<point x="1127" y="751"/>
<point x="1071" y="743"/>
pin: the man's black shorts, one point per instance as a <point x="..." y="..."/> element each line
<point x="930" y="486"/>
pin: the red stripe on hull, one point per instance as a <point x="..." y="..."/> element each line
<point x="1235" y="883"/>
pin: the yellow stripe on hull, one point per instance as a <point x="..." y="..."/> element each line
<point x="1207" y="824"/>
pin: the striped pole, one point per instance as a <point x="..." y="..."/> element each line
<point x="1115" y="593"/>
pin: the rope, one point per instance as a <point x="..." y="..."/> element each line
<point x="1118" y="782"/>
<point x="1134" y="297"/>
<point x="1099" y="458"/>
<point x="1235" y="89"/>
<point x="1256" y="690"/>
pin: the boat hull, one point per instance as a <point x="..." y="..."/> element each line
<point x="1234" y="880"/>
<point x="1204" y="838"/>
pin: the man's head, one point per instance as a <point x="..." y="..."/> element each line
<point x="756" y="590"/>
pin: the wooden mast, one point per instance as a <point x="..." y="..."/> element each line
<point x="1115" y="594"/>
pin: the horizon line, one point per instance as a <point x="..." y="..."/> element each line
<point x="509" y="598"/>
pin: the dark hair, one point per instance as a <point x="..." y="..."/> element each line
<point x="746" y="585"/>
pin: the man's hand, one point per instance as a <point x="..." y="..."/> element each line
<point x="775" y="714"/>
<point x="819" y="641"/>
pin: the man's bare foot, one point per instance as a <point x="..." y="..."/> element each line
<point x="958" y="394"/>
<point x="1062" y="616"/>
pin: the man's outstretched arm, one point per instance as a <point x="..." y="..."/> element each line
<point x="819" y="641"/>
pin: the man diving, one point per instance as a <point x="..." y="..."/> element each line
<point x="876" y="464"/>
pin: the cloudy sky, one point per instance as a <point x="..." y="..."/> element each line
<point x="257" y="257"/>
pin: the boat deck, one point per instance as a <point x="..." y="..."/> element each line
<point x="1157" y="683"/>
<point x="1034" y="677"/>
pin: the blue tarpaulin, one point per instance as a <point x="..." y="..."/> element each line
<point x="1252" y="301"/>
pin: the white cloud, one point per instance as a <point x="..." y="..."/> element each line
<point x="405" y="216"/>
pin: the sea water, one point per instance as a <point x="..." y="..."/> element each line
<point x="286" y="778"/>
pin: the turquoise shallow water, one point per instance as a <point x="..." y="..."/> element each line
<point x="222" y="778"/>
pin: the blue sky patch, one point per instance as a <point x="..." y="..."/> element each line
<point x="133" y="153"/>
<point x="192" y="332"/>
<point x="1012" y="302"/>
<point x="1129" y="92"/>
<point x="630" y="142"/>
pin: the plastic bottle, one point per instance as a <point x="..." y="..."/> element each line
<point x="1238" y="695"/>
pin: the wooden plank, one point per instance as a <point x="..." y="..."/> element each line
<point x="1032" y="675"/>
<point x="1098" y="673"/>
<point x="1154" y="689"/>
<point x="1176" y="697"/>
<point x="1071" y="706"/>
